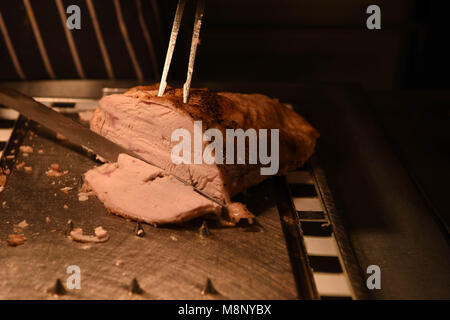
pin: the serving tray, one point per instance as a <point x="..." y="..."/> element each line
<point x="296" y="249"/>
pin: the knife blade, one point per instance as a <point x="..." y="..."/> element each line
<point x="76" y="132"/>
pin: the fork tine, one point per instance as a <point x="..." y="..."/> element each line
<point x="195" y="40"/>
<point x="173" y="39"/>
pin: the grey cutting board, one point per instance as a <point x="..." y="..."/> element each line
<point x="169" y="262"/>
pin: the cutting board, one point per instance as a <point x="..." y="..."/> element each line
<point x="169" y="262"/>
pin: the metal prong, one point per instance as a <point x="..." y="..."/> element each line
<point x="195" y="40"/>
<point x="135" y="288"/>
<point x="171" y="48"/>
<point x="209" y="288"/>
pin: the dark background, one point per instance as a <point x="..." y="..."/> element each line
<point x="252" y="40"/>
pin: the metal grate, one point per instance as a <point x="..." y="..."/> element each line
<point x="329" y="272"/>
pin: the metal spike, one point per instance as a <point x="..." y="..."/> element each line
<point x="138" y="230"/>
<point x="81" y="181"/>
<point x="209" y="288"/>
<point x="204" y="230"/>
<point x="69" y="227"/>
<point x="57" y="289"/>
<point x="135" y="288"/>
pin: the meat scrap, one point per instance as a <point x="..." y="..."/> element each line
<point x="20" y="166"/>
<point x="59" y="136"/>
<point x="26" y="149"/>
<point x="55" y="172"/>
<point x="83" y="196"/>
<point x="15" y="240"/>
<point x="85" y="115"/>
<point x="238" y="211"/>
<point x="66" y="189"/>
<point x="2" y="180"/>
<point x="18" y="228"/>
<point x="101" y="235"/>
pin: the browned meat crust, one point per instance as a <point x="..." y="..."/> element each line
<point x="227" y="110"/>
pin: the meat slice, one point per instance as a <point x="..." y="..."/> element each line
<point x="134" y="189"/>
<point x="141" y="121"/>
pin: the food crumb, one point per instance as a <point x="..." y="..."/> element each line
<point x="10" y="156"/>
<point x="174" y="238"/>
<point x="40" y="151"/>
<point x="28" y="169"/>
<point x="15" y="240"/>
<point x="66" y="189"/>
<point x="22" y="225"/>
<point x="26" y="149"/>
<point x="2" y="180"/>
<point x="82" y="197"/>
<point x="100" y="232"/>
<point x="59" y="136"/>
<point x="85" y="115"/>
<point x="66" y="206"/>
<point x="47" y="220"/>
<point x="119" y="263"/>
<point x="101" y="235"/>
<point x="20" y="166"/>
<point x="55" y="172"/>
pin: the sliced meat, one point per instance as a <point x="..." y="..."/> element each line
<point x="137" y="190"/>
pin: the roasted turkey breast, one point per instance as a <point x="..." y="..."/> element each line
<point x="141" y="121"/>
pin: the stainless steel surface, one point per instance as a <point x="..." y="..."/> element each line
<point x="74" y="131"/>
<point x="169" y="262"/>
<point x="381" y="214"/>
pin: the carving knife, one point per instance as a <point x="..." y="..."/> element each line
<point x="75" y="132"/>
